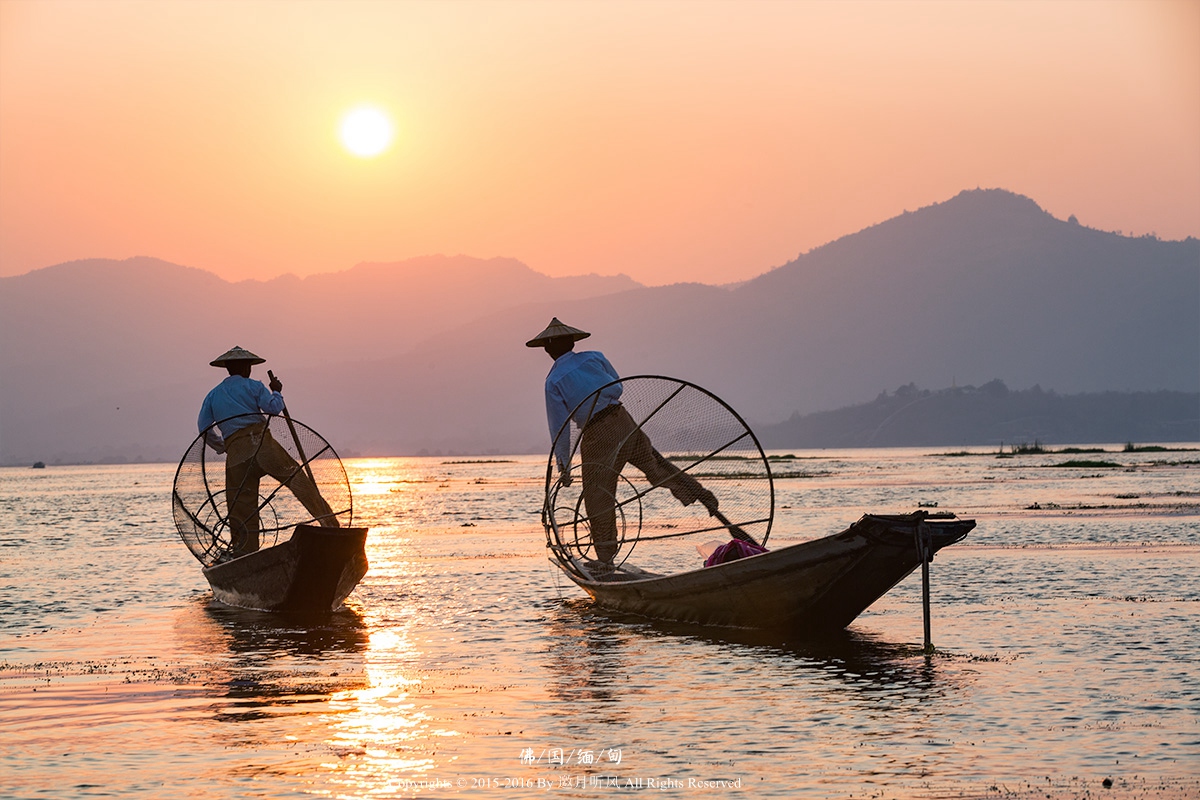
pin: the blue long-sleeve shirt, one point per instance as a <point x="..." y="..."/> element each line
<point x="237" y="395"/>
<point x="573" y="377"/>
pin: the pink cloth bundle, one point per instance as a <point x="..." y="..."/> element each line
<point x="732" y="551"/>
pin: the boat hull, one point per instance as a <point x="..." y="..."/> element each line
<point x="814" y="586"/>
<point x="312" y="572"/>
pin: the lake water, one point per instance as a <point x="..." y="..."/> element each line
<point x="1067" y="627"/>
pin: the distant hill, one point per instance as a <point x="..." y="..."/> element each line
<point x="83" y="310"/>
<point x="107" y="361"/>
<point x="984" y="285"/>
<point x="993" y="415"/>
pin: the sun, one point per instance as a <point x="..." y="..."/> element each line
<point x="365" y="131"/>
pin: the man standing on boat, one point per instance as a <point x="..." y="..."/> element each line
<point x="610" y="439"/>
<point x="233" y="419"/>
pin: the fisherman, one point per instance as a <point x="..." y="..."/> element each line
<point x="610" y="439"/>
<point x="233" y="419"/>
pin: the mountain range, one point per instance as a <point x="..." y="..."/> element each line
<point x="107" y="360"/>
<point x="993" y="415"/>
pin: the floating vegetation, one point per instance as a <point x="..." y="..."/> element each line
<point x="1084" y="464"/>
<point x="726" y="475"/>
<point x="684" y="457"/>
<point x="1130" y="447"/>
<point x="817" y="474"/>
<point x="1038" y="449"/>
<point x="694" y="457"/>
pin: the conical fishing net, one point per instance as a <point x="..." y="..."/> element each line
<point x="273" y="474"/>
<point x="652" y="479"/>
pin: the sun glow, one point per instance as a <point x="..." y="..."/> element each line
<point x="366" y="131"/>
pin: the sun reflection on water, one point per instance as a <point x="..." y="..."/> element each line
<point x="381" y="732"/>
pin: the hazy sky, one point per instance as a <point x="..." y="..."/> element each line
<point x="670" y="141"/>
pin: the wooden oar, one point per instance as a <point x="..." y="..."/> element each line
<point x="737" y="532"/>
<point x="295" y="438"/>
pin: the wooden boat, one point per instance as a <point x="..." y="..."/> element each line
<point x="312" y="572"/>
<point x="813" y="586"/>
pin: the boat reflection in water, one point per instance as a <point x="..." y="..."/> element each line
<point x="257" y="632"/>
<point x="258" y="655"/>
<point x="593" y="654"/>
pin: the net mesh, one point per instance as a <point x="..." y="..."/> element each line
<point x="649" y="481"/>
<point x="275" y="474"/>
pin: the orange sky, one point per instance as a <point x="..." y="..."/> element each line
<point x="670" y="141"/>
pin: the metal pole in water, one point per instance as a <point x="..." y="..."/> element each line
<point x="923" y="548"/>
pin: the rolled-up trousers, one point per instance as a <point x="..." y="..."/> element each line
<point x="610" y="441"/>
<point x="251" y="453"/>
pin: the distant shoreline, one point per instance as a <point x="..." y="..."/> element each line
<point x="993" y="415"/>
<point x="775" y="455"/>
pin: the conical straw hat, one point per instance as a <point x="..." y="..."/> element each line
<point x="236" y="354"/>
<point x="557" y="330"/>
